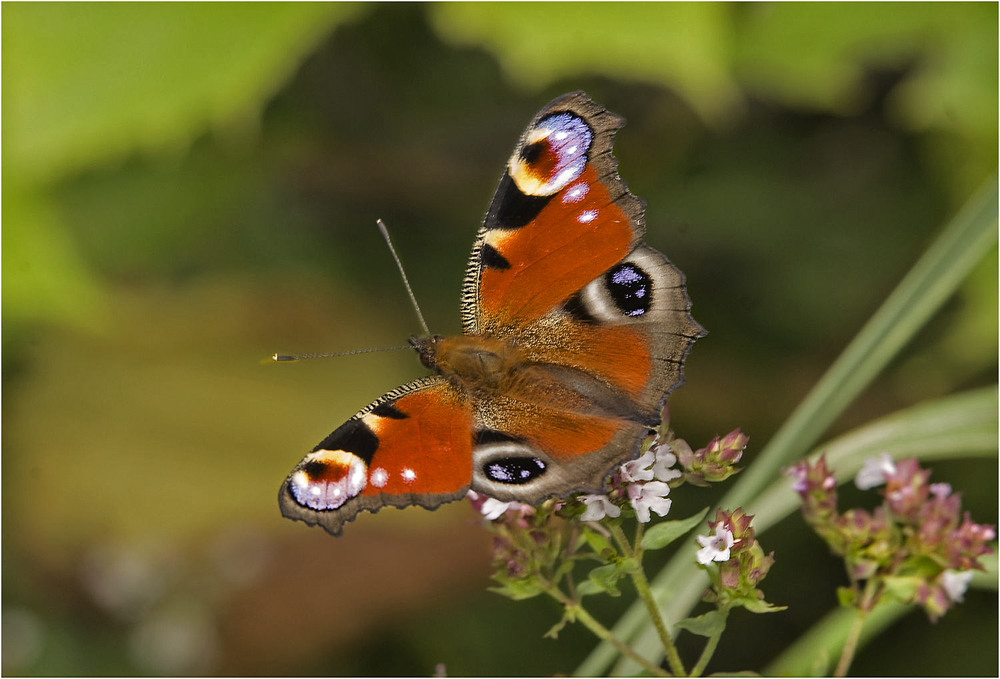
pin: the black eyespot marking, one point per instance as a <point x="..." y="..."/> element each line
<point x="630" y="288"/>
<point x="492" y="259"/>
<point x="354" y="436"/>
<point x="532" y="152"/>
<point x="389" y="409"/>
<point x="512" y="209"/>
<point x="514" y="470"/>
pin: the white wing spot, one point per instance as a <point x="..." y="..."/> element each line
<point x="379" y="477"/>
<point x="587" y="216"/>
<point x="408" y="474"/>
<point x="576" y="193"/>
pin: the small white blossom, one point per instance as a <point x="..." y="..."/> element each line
<point x="955" y="583"/>
<point x="493" y="508"/>
<point x="715" y="547"/>
<point x="651" y="496"/>
<point x="874" y="471"/>
<point x="639" y="469"/>
<point x="598" y="506"/>
<point x="665" y="460"/>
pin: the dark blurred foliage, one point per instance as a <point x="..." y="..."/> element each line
<point x="143" y="445"/>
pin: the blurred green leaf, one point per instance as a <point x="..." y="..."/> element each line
<point x="44" y="277"/>
<point x="681" y="44"/>
<point x="90" y="82"/>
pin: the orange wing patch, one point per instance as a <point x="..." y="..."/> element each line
<point x="428" y="451"/>
<point x="579" y="232"/>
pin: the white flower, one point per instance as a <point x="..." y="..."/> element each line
<point x="665" y="460"/>
<point x="874" y="471"/>
<point x="650" y="496"/>
<point x="955" y="583"/>
<point x="639" y="469"/>
<point x="493" y="508"/>
<point x="598" y="506"/>
<point x="715" y="547"/>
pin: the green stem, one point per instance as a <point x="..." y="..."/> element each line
<point x="710" y="646"/>
<point x="603" y="633"/>
<point x="869" y="598"/>
<point x="642" y="587"/>
<point x="850" y="644"/>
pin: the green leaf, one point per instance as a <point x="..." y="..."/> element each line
<point x="663" y="533"/>
<point x="682" y="45"/>
<point x="706" y="625"/>
<point x="755" y="605"/>
<point x="90" y="82"/>
<point x="606" y="578"/>
<point x="846" y="596"/>
<point x="589" y="587"/>
<point x="518" y="590"/>
<point x="598" y="541"/>
<point x="902" y="588"/>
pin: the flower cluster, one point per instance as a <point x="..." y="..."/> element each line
<point x="741" y="561"/>
<point x="528" y="540"/>
<point x="713" y="463"/>
<point x="916" y="545"/>
<point x="641" y="484"/>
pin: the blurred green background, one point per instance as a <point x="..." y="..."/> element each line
<point x="188" y="188"/>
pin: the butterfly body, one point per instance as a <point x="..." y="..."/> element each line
<point x="574" y="332"/>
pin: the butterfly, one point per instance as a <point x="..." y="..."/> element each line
<point x="574" y="331"/>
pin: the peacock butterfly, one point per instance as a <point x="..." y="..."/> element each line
<point x="574" y="332"/>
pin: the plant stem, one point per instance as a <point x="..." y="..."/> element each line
<point x="869" y="598"/>
<point x="642" y="587"/>
<point x="602" y="632"/>
<point x="850" y="644"/>
<point x="710" y="646"/>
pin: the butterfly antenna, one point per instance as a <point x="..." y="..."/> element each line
<point x="402" y="272"/>
<point x="276" y="358"/>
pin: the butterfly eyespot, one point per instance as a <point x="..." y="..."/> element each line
<point x="554" y="155"/>
<point x="630" y="288"/>
<point x="532" y="152"/>
<point x="326" y="479"/>
<point x="514" y="470"/>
